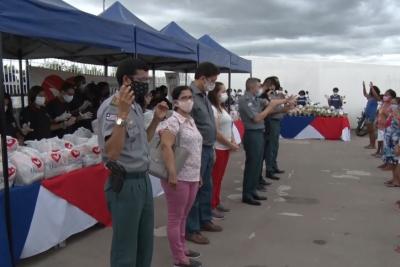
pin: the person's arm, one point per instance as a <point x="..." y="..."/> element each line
<point x="374" y="93"/>
<point x="269" y="110"/>
<point x="115" y="142"/>
<point x="167" y="144"/>
<point x="160" y="111"/>
<point x="365" y="90"/>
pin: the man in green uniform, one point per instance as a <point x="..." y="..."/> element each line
<point x="124" y="143"/>
<point x="252" y="114"/>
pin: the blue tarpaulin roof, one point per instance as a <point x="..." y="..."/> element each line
<point x="165" y="49"/>
<point x="205" y="52"/>
<point x="52" y="28"/>
<point x="238" y="64"/>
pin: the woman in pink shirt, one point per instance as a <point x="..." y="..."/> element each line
<point x="181" y="188"/>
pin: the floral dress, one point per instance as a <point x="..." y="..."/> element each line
<point x="392" y="137"/>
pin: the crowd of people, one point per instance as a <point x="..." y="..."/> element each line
<point x="200" y="124"/>
<point x="73" y="107"/>
<point x="382" y="118"/>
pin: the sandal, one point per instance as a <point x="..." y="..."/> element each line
<point x="392" y="185"/>
<point x="389" y="183"/>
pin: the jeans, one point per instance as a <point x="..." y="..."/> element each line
<point x="200" y="213"/>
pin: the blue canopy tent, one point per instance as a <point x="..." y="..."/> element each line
<point x="238" y="64"/>
<point x="205" y="53"/>
<point x="31" y="29"/>
<point x="160" y="50"/>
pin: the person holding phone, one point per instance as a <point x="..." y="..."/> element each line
<point x="124" y="142"/>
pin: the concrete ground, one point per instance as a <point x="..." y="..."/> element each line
<point x="330" y="209"/>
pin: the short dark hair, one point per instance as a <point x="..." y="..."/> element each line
<point x="251" y="81"/>
<point x="206" y="69"/>
<point x="129" y="66"/>
<point x="178" y="90"/>
<point x="79" y="78"/>
<point x="33" y="93"/>
<point x="377" y="90"/>
<point x="392" y="93"/>
<point x="335" y="90"/>
<point x="213" y="95"/>
<point x="302" y="92"/>
<point x="67" y="85"/>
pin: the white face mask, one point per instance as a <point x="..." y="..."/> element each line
<point x="186" y="106"/>
<point x="223" y="97"/>
<point x="209" y="86"/>
<point x="68" y="98"/>
<point x="40" y="101"/>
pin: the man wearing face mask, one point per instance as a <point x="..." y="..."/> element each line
<point x="59" y="110"/>
<point x="335" y="100"/>
<point x="252" y="113"/>
<point x="125" y="150"/>
<point x="200" y="216"/>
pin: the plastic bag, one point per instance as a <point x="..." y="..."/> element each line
<point x="75" y="140"/>
<point x="74" y="159"/>
<point x="12" y="171"/>
<point x="30" y="167"/>
<point x="83" y="133"/>
<point x="92" y="152"/>
<point x="55" y="163"/>
<point x="12" y="144"/>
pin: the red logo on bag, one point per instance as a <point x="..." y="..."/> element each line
<point x="96" y="150"/>
<point x="56" y="157"/>
<point x="75" y="153"/>
<point x="68" y="145"/>
<point x="11" y="142"/>
<point x="37" y="162"/>
<point x="11" y="171"/>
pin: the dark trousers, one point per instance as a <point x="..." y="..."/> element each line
<point x="132" y="222"/>
<point x="253" y="143"/>
<point x="272" y="145"/>
<point x="200" y="213"/>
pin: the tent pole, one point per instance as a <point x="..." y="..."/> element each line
<point x="229" y="87"/>
<point x="154" y="78"/>
<point x="105" y="68"/>
<point x="7" y="209"/>
<point x="135" y="36"/>
<point x="186" y="77"/>
<point x="21" y="79"/>
<point x="198" y="54"/>
<point x="28" y="82"/>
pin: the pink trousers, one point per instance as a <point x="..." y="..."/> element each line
<point x="179" y="202"/>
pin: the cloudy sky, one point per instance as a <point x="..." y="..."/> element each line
<point x="345" y="30"/>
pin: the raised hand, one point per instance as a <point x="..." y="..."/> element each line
<point x="125" y="98"/>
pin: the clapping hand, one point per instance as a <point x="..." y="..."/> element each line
<point x="70" y="122"/>
<point x="26" y="128"/>
<point x="160" y="111"/>
<point x="86" y="115"/>
<point x="63" y="117"/>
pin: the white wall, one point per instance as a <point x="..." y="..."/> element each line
<point x="319" y="78"/>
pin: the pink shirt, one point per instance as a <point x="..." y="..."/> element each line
<point x="191" y="139"/>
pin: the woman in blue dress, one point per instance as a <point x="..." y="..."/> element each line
<point x="370" y="112"/>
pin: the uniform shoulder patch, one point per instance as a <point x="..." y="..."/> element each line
<point x="111" y="117"/>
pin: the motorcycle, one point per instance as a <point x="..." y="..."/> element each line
<point x="361" y="129"/>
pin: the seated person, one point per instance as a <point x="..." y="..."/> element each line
<point x="35" y="118"/>
<point x="12" y="128"/>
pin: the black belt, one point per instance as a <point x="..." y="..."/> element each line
<point x="137" y="175"/>
<point x="255" y="130"/>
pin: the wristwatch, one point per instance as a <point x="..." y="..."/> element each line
<point x="120" y="122"/>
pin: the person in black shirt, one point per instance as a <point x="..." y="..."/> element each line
<point x="34" y="117"/>
<point x="160" y="95"/>
<point x="60" y="111"/>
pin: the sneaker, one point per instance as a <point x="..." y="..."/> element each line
<point x="210" y="227"/>
<point x="217" y="214"/>
<point x="222" y="208"/>
<point x="197" y="238"/>
<point x="192" y="263"/>
<point x="193" y="254"/>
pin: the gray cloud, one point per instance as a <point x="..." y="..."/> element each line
<point x="278" y="28"/>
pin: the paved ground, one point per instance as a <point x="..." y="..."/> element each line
<point x="330" y="209"/>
